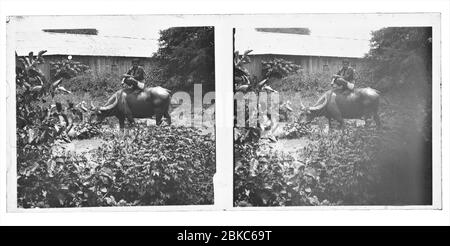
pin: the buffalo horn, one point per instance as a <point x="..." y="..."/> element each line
<point x="260" y="84"/>
<point x="320" y="103"/>
<point x="302" y="105"/>
<point x="92" y="106"/>
<point x="288" y="108"/>
<point x="111" y="105"/>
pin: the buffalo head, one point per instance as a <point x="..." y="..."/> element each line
<point x="98" y="114"/>
<point x="95" y="114"/>
<point x="307" y="114"/>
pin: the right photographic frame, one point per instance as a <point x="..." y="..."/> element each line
<point x="338" y="110"/>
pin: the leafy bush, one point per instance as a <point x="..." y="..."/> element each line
<point x="240" y="73"/>
<point x="45" y="180"/>
<point x="246" y="134"/>
<point x="278" y="68"/>
<point x="263" y="177"/>
<point x="86" y="130"/>
<point x="107" y="83"/>
<point x="360" y="166"/>
<point x="37" y="128"/>
<point x="98" y="85"/>
<point x="148" y="166"/>
<point x="346" y="165"/>
<point x="295" y="129"/>
<point x="338" y="169"/>
<point x="35" y="123"/>
<point x="154" y="76"/>
<point x="243" y="83"/>
<point x="317" y="82"/>
<point x="169" y="165"/>
<point x="67" y="69"/>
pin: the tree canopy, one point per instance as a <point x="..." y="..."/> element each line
<point x="401" y="56"/>
<point x="187" y="56"/>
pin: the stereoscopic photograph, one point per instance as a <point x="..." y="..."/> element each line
<point x="118" y="111"/>
<point x="333" y="114"/>
<point x="112" y="111"/>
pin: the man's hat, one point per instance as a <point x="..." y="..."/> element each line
<point x="135" y="60"/>
<point x="345" y="61"/>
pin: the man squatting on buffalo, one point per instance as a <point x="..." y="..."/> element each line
<point x="135" y="76"/>
<point x="345" y="77"/>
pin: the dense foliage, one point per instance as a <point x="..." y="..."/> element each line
<point x="278" y="68"/>
<point x="35" y="124"/>
<point x="303" y="82"/>
<point x="161" y="166"/>
<point x="85" y="130"/>
<point x="148" y="166"/>
<point x="99" y="85"/>
<point x="103" y="84"/>
<point x="243" y="83"/>
<point x="345" y="165"/>
<point x="67" y="69"/>
<point x="401" y="57"/>
<point x="37" y="128"/>
<point x="360" y="167"/>
<point x="295" y="129"/>
<point x="186" y="55"/>
<point x="263" y="177"/>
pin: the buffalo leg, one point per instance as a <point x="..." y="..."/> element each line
<point x="329" y="124"/>
<point x="128" y="115"/>
<point x="158" y="119"/>
<point x="339" y="119"/>
<point x="335" y="113"/>
<point x="341" y="122"/>
<point x="167" y="116"/>
<point x="130" y="120"/>
<point x="122" y="123"/>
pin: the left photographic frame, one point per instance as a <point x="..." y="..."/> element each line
<point x="110" y="111"/>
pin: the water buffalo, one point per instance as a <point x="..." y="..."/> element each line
<point x="129" y="104"/>
<point x="340" y="104"/>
